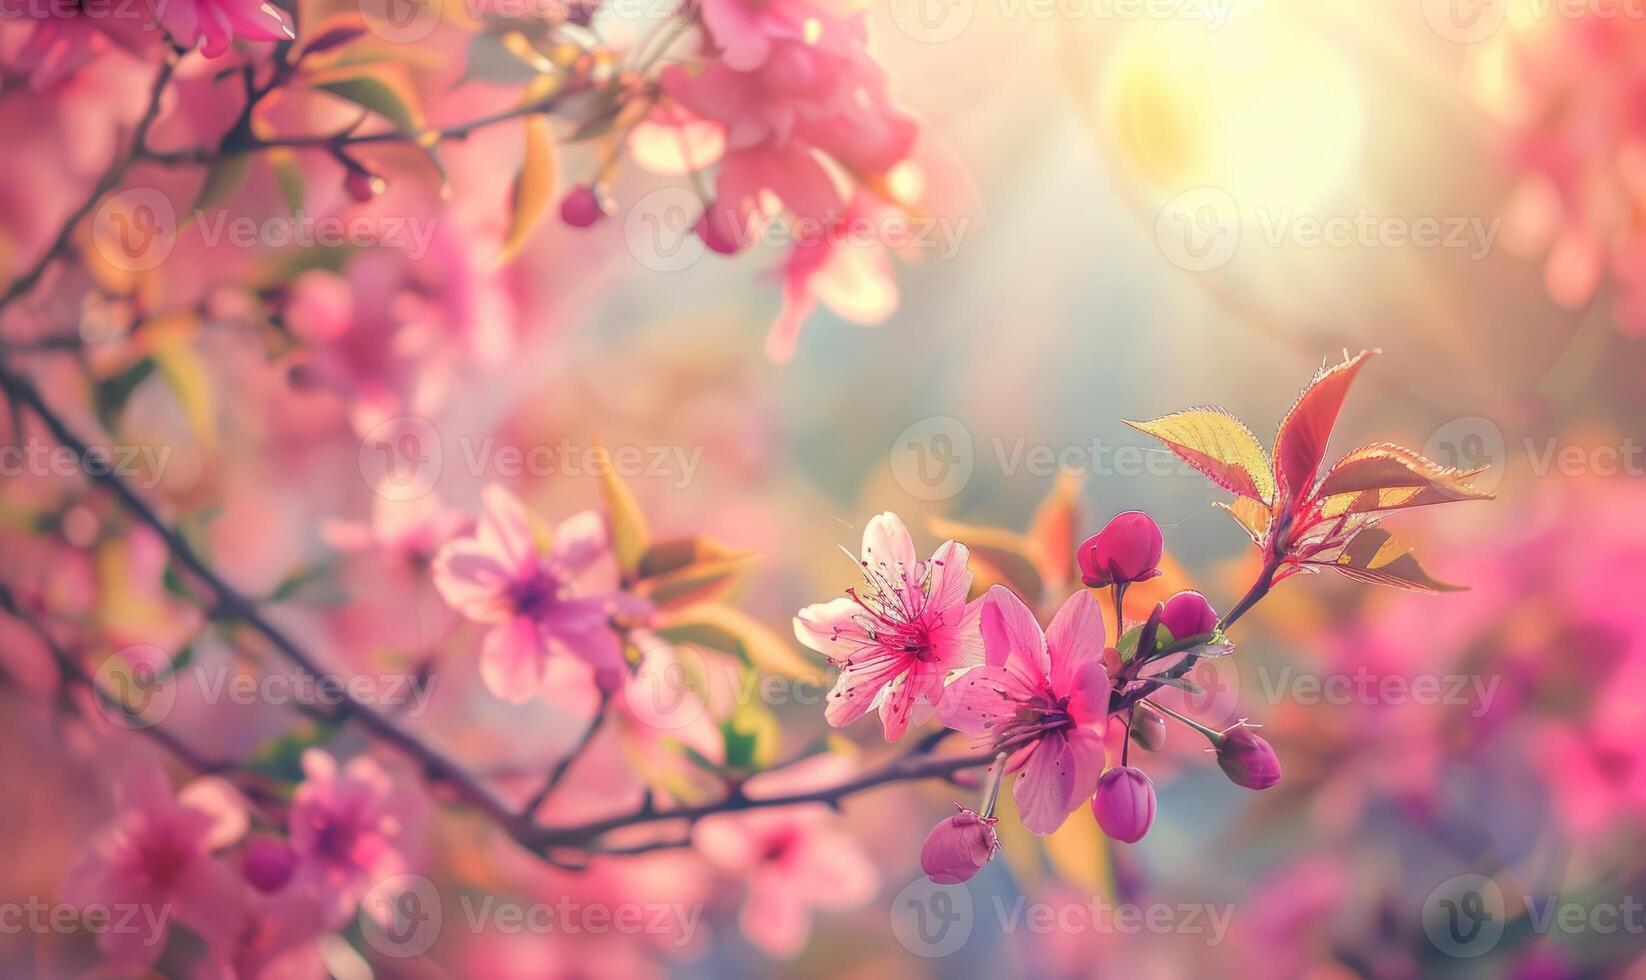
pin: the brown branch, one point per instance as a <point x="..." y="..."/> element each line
<point x="110" y="179"/>
<point x="915" y="764"/>
<point x="572" y="755"/>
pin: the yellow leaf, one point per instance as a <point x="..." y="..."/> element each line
<point x="1008" y="557"/>
<point x="630" y="535"/>
<point x="1375" y="556"/>
<point x="1079" y="852"/>
<point x="1053" y="529"/>
<point x="1389" y="477"/>
<point x="1251" y="515"/>
<point x="724" y="628"/>
<point x="1218" y="445"/>
<point x="533" y="186"/>
<point x="188" y="378"/>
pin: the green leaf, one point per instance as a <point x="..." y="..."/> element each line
<point x="281" y="757"/>
<point x="226" y="176"/>
<point x="110" y="395"/>
<point x="1128" y="642"/>
<point x="290" y="177"/>
<point x="372" y="93"/>
<point x="732" y="631"/>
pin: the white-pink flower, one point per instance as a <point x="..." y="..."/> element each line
<point x="897" y="640"/>
<point x="795" y="859"/>
<point x="346" y="828"/>
<point x="155" y="863"/>
<point x="1046" y="694"/>
<point x="536" y="604"/>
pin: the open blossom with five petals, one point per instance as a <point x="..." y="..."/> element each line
<point x="1042" y="695"/>
<point x="537" y="605"/>
<point x="897" y="640"/>
<point x="346" y="828"/>
<point x="157" y="858"/>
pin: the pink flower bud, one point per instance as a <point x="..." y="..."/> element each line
<point x="363" y="185"/>
<point x="581" y="207"/>
<point x="1148" y="728"/>
<point x="268" y="864"/>
<point x="1188" y="614"/>
<point x="1126" y="550"/>
<point x="1248" y="760"/>
<point x="1124" y="803"/>
<point x="959" y="847"/>
<point x="721" y="230"/>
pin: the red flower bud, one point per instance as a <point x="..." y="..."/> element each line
<point x="1126" y="550"/>
<point x="1247" y="760"/>
<point x="268" y="864"/>
<point x="1188" y="614"/>
<point x="958" y="847"/>
<point x="722" y="230"/>
<point x="1124" y="803"/>
<point x="581" y="207"/>
<point x="1148" y="728"/>
<point x="363" y="185"/>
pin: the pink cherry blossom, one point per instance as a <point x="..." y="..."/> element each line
<point x="347" y="829"/>
<point x="898" y="640"/>
<point x="157" y="858"/>
<point x="794" y="859"/>
<point x="746" y="30"/>
<point x="1045" y="695"/>
<point x="852" y="277"/>
<point x="533" y="602"/>
<point x="215" y="24"/>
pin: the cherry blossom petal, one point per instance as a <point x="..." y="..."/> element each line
<point x="1046" y="786"/>
<point x="1075" y="638"/>
<point x="1011" y="635"/>
<point x="832" y="628"/>
<point x="512" y="660"/>
<point x="580" y="541"/>
<point x="222" y="805"/>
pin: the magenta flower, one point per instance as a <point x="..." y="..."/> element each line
<point x="898" y="640"/>
<point x="533" y="602"/>
<point x="1247" y="759"/>
<point x="156" y="859"/>
<point x="345" y="827"/>
<point x="1188" y="614"/>
<point x="215" y="24"/>
<point x="1043" y="695"/>
<point x="1124" y="804"/>
<point x="1127" y="550"/>
<point x="959" y="847"/>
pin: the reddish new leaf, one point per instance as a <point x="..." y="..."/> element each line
<point x="1300" y="444"/>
